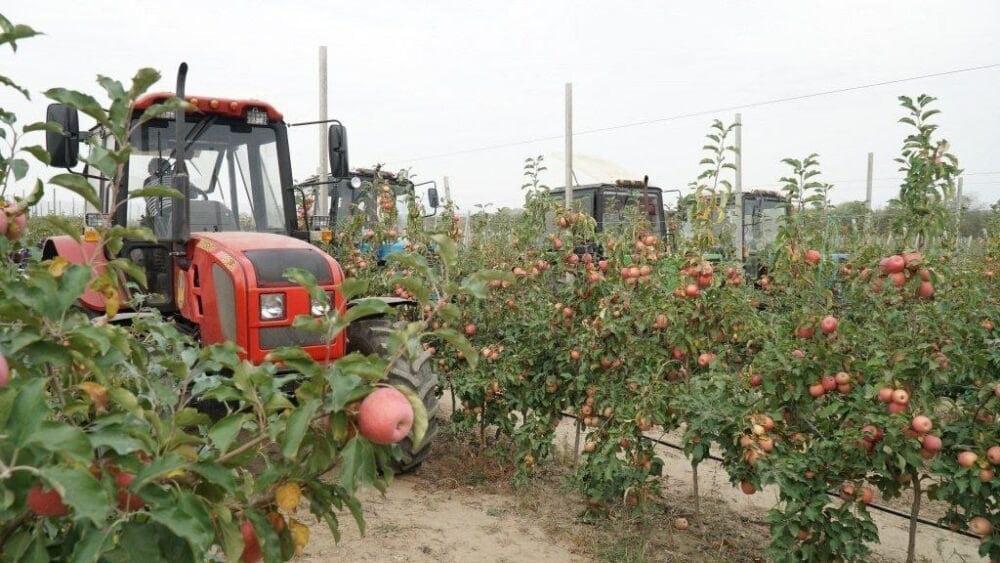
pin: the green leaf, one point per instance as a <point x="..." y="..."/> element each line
<point x="155" y="191"/>
<point x="158" y="468"/>
<point x="131" y="269"/>
<point x="357" y="464"/>
<point x="93" y="542"/>
<point x="420" y="419"/>
<point x="4" y="81"/>
<point x="137" y="540"/>
<point x="361" y="309"/>
<point x="158" y="109"/>
<point x="304" y="278"/>
<point x="63" y="439"/>
<point x="19" y="167"/>
<point x="352" y="287"/>
<point x="116" y="439"/>
<point x="29" y="410"/>
<point x="143" y="79"/>
<point x="40" y="154"/>
<point x="447" y="249"/>
<point x="460" y="343"/>
<point x="270" y="544"/>
<point x="232" y="537"/>
<point x="225" y="431"/>
<point x="298" y="424"/>
<point x="83" y="102"/>
<point x="47" y="126"/>
<point x="189" y="519"/>
<point x="78" y="185"/>
<point x="12" y="33"/>
<point x="216" y="474"/>
<point x="80" y="491"/>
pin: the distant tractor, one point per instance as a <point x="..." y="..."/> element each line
<point x="217" y="265"/>
<point x="352" y="195"/>
<point x="607" y="204"/>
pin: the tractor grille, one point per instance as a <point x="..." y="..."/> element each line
<point x="278" y="336"/>
<point x="270" y="265"/>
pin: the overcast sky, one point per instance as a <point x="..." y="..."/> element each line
<point x="416" y="79"/>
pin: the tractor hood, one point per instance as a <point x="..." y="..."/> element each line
<point x="271" y="255"/>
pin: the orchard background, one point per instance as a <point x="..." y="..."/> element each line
<point x="877" y="374"/>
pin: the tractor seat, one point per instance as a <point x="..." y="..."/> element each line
<point x="211" y="216"/>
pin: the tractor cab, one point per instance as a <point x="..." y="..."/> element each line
<point x="607" y="203"/>
<point x="354" y="196"/>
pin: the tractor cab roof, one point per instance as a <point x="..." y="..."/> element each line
<point x="618" y="185"/>
<point x="220" y="106"/>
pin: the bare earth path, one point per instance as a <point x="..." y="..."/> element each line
<point x="458" y="508"/>
<point x="412" y="524"/>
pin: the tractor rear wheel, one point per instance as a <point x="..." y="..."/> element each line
<point x="371" y="336"/>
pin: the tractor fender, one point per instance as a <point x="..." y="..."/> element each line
<point x="79" y="253"/>
<point x="390" y="301"/>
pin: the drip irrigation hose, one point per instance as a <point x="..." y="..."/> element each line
<point x="880" y="508"/>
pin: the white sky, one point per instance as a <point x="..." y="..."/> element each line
<point x="411" y="79"/>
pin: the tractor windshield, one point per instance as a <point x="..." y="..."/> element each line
<point x="233" y="170"/>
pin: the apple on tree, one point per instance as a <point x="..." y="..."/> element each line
<point x="385" y="416"/>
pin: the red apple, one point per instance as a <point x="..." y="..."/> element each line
<point x="3" y="221"/>
<point x="980" y="526"/>
<point x="46" y="503"/>
<point x="921" y="424"/>
<point x="747" y="487"/>
<point x="798" y="354"/>
<point x="986" y="475"/>
<point x="251" y="545"/>
<point x="385" y="416"/>
<point x="4" y="367"/>
<point x="896" y="408"/>
<point x="932" y="443"/>
<point x="813" y="257"/>
<point x="17" y="226"/>
<point x="756" y="379"/>
<point x="885" y="394"/>
<point x="817" y="390"/>
<point x="842" y="378"/>
<point x="900" y="396"/>
<point x="692" y="290"/>
<point x="127" y="501"/>
<point x="898" y="279"/>
<point x="704" y="360"/>
<point x="828" y="383"/>
<point x="993" y="454"/>
<point x="892" y="264"/>
<point x="967" y="459"/>
<point x="828" y="325"/>
<point x="925" y="290"/>
<point x="470" y="329"/>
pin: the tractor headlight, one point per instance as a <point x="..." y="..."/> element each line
<point x="272" y="306"/>
<point x="320" y="308"/>
<point x="355" y="182"/>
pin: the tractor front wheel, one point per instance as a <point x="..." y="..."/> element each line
<point x="371" y="336"/>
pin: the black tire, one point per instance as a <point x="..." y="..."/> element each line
<point x="371" y="336"/>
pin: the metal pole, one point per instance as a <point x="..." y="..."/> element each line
<point x="322" y="203"/>
<point x="868" y="181"/>
<point x="569" y="144"/>
<point x="738" y="185"/>
<point x="447" y="191"/>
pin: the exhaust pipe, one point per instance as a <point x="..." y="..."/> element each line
<point x="180" y="223"/>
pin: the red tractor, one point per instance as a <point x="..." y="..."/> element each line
<point x="217" y="265"/>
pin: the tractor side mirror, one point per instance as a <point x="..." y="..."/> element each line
<point x="432" y="197"/>
<point x="337" y="141"/>
<point x="63" y="147"/>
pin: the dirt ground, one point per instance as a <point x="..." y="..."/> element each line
<point x="459" y="506"/>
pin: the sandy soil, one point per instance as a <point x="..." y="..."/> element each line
<point x="459" y="507"/>
<point x="414" y="523"/>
